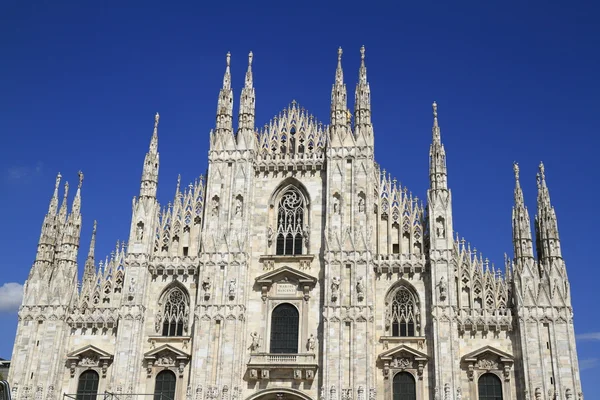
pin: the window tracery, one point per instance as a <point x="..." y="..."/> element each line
<point x="290" y="223"/>
<point x="174" y="319"/>
<point x="403" y="314"/>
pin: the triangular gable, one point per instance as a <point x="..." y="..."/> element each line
<point x="473" y="356"/>
<point x="89" y="348"/>
<point x="274" y="276"/>
<point x="152" y="354"/>
<point x="389" y="354"/>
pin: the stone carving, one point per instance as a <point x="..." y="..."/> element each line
<point x="487" y="364"/>
<point x="39" y="392"/>
<point x="165" y="361"/>
<point x="388" y="318"/>
<point x="139" y="232"/>
<point x="436" y="395"/>
<point x="215" y="207"/>
<point x="361" y="205"/>
<point x="238" y="207"/>
<point x="443" y="288"/>
<point x="198" y="392"/>
<point x="310" y="343"/>
<point x="335" y="287"/>
<point x="188" y="393"/>
<point x="568" y="394"/>
<point x="255" y="344"/>
<point x="206" y="285"/>
<point x="538" y="393"/>
<point x="372" y="394"/>
<point x="297" y="374"/>
<point x="232" y="285"/>
<point x="132" y="287"/>
<point x="322" y="395"/>
<point x="50" y="393"/>
<point x="447" y="394"/>
<point x="360" y="288"/>
<point x="346" y="394"/>
<point x="459" y="394"/>
<point x="90" y="360"/>
<point x="270" y="234"/>
<point x="158" y="320"/>
<point x="336" y="205"/>
<point x="402" y="362"/>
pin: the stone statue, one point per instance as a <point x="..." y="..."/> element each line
<point x="305" y="234"/>
<point x="538" y="393"/>
<point x="335" y="286"/>
<point x="459" y="394"/>
<point x="139" y="233"/>
<point x="232" y="287"/>
<point x="215" y="207"/>
<point x="158" y="321"/>
<point x="132" y="287"/>
<point x="336" y="205"/>
<point x="443" y="288"/>
<point x="361" y="205"/>
<point x="440" y="229"/>
<point x="388" y="318"/>
<point x="270" y="235"/>
<point x="206" y="282"/>
<point x="360" y="286"/>
<point x="310" y="343"/>
<point x="568" y="394"/>
<point x="255" y="345"/>
<point x="238" y="207"/>
<point x="447" y="391"/>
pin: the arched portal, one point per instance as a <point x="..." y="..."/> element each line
<point x="279" y="394"/>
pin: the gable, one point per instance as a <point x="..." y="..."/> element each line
<point x="487" y="351"/>
<point x="166" y="350"/>
<point x="403" y="351"/>
<point x="286" y="274"/>
<point x="89" y="350"/>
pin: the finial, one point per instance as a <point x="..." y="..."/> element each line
<point x="542" y="171"/>
<point x="94" y="230"/>
<point x="80" y="174"/>
<point x="250" y="56"/>
<point x="516" y="169"/>
<point x="228" y="59"/>
<point x="156" y="118"/>
<point x="58" y="177"/>
<point x="434" y="106"/>
<point x="362" y="52"/>
<point x="340" y="54"/>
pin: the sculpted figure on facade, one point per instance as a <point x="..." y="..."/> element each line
<point x="310" y="343"/>
<point x="335" y="288"/>
<point x="255" y="342"/>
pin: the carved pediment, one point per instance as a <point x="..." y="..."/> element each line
<point x="89" y="357"/>
<point x="166" y="350"/>
<point x="403" y="357"/>
<point x="488" y="359"/>
<point x="287" y="282"/>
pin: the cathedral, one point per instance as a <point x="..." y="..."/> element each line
<point x="296" y="269"/>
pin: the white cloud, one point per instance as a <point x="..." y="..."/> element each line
<point x="11" y="296"/>
<point x="589" y="336"/>
<point x="19" y="173"/>
<point x="588" y="363"/>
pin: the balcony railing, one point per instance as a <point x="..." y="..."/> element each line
<point x="278" y="359"/>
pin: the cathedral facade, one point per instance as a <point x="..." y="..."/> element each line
<point x="296" y="269"/>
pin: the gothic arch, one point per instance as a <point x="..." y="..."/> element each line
<point x="269" y="394"/>
<point x="396" y="285"/>
<point x="402" y="310"/>
<point x="172" y="318"/>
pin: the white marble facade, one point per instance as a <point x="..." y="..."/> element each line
<point x="297" y="269"/>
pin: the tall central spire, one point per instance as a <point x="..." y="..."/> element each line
<point x="339" y="103"/>
<point x="437" y="156"/>
<point x="247" y="99"/>
<point x="522" y="242"/>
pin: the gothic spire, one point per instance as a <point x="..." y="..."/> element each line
<point x="62" y="213"/>
<point x="546" y="226"/>
<point x="247" y="106"/>
<point x="225" y="103"/>
<point x="362" y="103"/>
<point x="89" y="271"/>
<point x="76" y="207"/>
<point x="339" y="107"/>
<point x="150" y="170"/>
<point x="520" y="222"/>
<point x="54" y="201"/>
<point x="437" y="157"/>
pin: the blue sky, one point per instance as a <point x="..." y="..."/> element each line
<point x="514" y="81"/>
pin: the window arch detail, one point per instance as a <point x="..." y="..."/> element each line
<point x="284" y="329"/>
<point x="164" y="385"/>
<point x="404" y="387"/>
<point x="403" y="317"/>
<point x="87" y="386"/>
<point x="173" y="319"/>
<point x="291" y="222"/>
<point x="490" y="387"/>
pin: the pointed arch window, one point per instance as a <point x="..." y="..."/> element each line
<point x="284" y="329"/>
<point x="490" y="387"/>
<point x="404" y="386"/>
<point x="164" y="385"/>
<point x="175" y="313"/>
<point x="290" y="223"/>
<point x="87" y="386"/>
<point x="403" y="313"/>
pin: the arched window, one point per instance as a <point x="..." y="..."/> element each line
<point x="490" y="387"/>
<point x="404" y="313"/>
<point x="175" y="315"/>
<point x="404" y="387"/>
<point x="164" y="386"/>
<point x="284" y="329"/>
<point x="290" y="223"/>
<point x="87" y="387"/>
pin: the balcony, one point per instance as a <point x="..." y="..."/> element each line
<point x="293" y="366"/>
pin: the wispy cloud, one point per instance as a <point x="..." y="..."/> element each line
<point x="11" y="296"/>
<point x="22" y="172"/>
<point x="588" y="363"/>
<point x="589" y="336"/>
